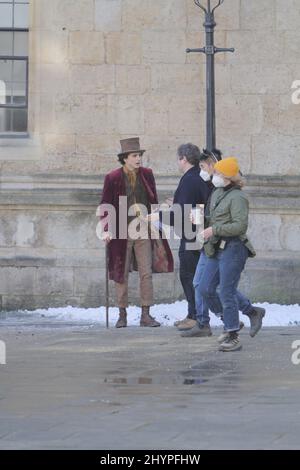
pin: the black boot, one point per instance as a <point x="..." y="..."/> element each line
<point x="122" y="321"/>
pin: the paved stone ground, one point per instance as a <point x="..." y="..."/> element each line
<point x="74" y="387"/>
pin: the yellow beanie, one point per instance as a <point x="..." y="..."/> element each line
<point x="229" y="167"/>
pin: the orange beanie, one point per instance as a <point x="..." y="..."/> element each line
<point x="229" y="167"/>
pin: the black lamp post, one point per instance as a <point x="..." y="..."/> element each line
<point x="210" y="50"/>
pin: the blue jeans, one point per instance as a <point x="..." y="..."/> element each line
<point x="188" y="260"/>
<point x="201" y="305"/>
<point x="245" y="306"/>
<point x="224" y="270"/>
<point x="203" y="318"/>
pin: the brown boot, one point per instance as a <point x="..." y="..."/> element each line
<point x="147" y="320"/>
<point x="178" y="322"/>
<point x="187" y="324"/>
<point x="122" y="321"/>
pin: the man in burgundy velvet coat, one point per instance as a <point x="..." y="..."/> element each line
<point x="136" y="186"/>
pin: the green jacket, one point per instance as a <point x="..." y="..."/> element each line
<point x="228" y="217"/>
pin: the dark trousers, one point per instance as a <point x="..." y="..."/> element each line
<point x="188" y="260"/>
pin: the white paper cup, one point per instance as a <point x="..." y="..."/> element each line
<point x="197" y="215"/>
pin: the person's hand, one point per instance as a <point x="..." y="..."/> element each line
<point x="106" y="237"/>
<point x="207" y="233"/>
<point x="169" y="201"/>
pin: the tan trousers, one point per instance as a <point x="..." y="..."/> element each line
<point x="143" y="254"/>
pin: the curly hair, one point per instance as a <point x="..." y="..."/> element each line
<point x="122" y="158"/>
<point x="191" y="152"/>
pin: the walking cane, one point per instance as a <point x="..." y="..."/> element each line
<point x="106" y="286"/>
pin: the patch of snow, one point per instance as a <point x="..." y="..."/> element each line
<point x="276" y="315"/>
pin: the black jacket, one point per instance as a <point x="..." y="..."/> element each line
<point x="192" y="190"/>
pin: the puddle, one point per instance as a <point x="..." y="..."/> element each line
<point x="289" y="334"/>
<point x="198" y="374"/>
<point x="157" y="380"/>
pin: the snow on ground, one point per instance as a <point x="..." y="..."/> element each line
<point x="276" y="315"/>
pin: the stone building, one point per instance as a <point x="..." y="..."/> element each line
<point x="78" y="75"/>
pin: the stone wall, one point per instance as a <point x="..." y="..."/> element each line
<point x="101" y="70"/>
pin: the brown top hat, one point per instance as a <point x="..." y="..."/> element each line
<point x="131" y="145"/>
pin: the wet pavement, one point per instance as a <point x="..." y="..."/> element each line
<point x="69" y="386"/>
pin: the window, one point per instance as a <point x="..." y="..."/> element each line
<point x="14" y="21"/>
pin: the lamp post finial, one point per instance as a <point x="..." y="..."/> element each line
<point x="210" y="50"/>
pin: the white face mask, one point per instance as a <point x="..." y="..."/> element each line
<point x="218" y="181"/>
<point x="205" y="175"/>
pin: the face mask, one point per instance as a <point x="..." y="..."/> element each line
<point x="218" y="181"/>
<point x="205" y="175"/>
